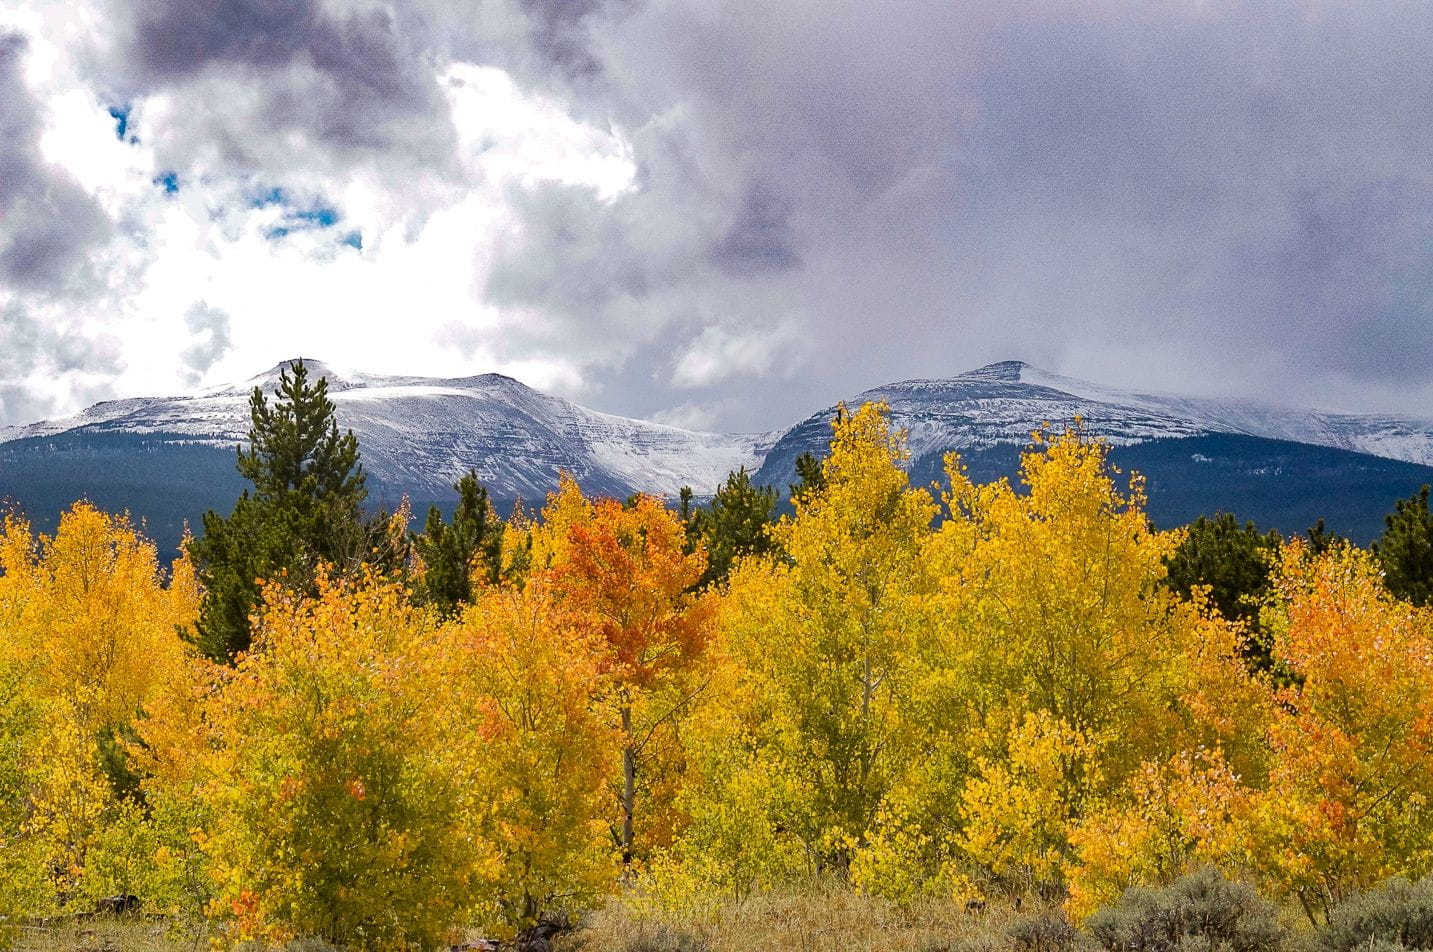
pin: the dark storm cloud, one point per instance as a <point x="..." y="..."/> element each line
<point x="559" y="32"/>
<point x="1231" y="198"/>
<point x="357" y="83"/>
<point x="1249" y="185"/>
<point x="759" y="239"/>
<point x="47" y="221"/>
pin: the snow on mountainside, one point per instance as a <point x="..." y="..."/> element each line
<point x="1404" y="438"/>
<point x="167" y="460"/>
<point x="421" y="434"/>
<point x="1003" y="402"/>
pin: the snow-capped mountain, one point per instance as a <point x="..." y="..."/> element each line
<point x="418" y="435"/>
<point x="169" y="459"/>
<point x="1404" y="438"/>
<point x="1282" y="467"/>
<point x="1002" y="403"/>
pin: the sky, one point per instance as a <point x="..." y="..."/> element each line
<point x="722" y="214"/>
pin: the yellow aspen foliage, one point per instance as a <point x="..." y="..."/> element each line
<point x="69" y="798"/>
<point x="1347" y="802"/>
<point x="25" y="887"/>
<point x="176" y="757"/>
<point x="734" y="792"/>
<point x="823" y="637"/>
<point x="547" y="538"/>
<point x="1055" y="591"/>
<point x="92" y="605"/>
<point x="327" y="772"/>
<point x="1016" y="807"/>
<point x="548" y="751"/>
<point x="1051" y="666"/>
<point x="91" y="630"/>
<point x="1170" y="819"/>
<point x="914" y="848"/>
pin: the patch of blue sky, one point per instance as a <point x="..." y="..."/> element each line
<point x="320" y="216"/>
<point x="120" y="115"/>
<point x="169" y="181"/>
<point x="274" y="196"/>
<point x="295" y="217"/>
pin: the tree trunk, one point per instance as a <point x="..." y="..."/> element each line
<point x="629" y="785"/>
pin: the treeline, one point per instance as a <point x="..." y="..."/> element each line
<point x="322" y="723"/>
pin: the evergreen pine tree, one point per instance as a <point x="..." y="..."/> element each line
<point x="1321" y="539"/>
<point x="1405" y="549"/>
<point x="809" y="477"/>
<point x="735" y="524"/>
<point x="692" y="518"/>
<point x="452" y="554"/>
<point x="305" y="509"/>
<point x="1236" y="562"/>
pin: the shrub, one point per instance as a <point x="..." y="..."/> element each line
<point x="1398" y="915"/>
<point x="1042" y="932"/>
<point x="1200" y="911"/>
<point x="1048" y="931"/>
<point x="983" y="942"/>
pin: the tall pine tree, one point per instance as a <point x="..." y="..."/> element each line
<point x="735" y="524"/>
<point x="453" y="554"/>
<point x="1236" y="562"/>
<point x="1405" y="549"/>
<point x="305" y="509"/>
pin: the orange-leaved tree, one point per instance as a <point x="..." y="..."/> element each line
<point x="1349" y="799"/>
<point x="625" y="571"/>
<point x="1341" y="799"/>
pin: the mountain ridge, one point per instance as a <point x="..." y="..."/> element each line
<point x="418" y="435"/>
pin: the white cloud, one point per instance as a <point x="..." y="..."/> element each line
<point x="507" y="136"/>
<point x="695" y="416"/>
<point x="428" y="230"/>
<point x="719" y="354"/>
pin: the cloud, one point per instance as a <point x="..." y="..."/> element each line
<point x="759" y="238"/>
<point x="47" y="221"/>
<point x="718" y="354"/>
<point x="721" y="209"/>
<point x="50" y="229"/>
<point x="1226" y="200"/>
<point x="210" y="329"/>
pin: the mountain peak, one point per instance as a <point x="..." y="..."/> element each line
<point x="316" y="369"/>
<point x="1005" y="371"/>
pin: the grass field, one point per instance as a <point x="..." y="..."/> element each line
<point x="105" y="934"/>
<point x="819" y="918"/>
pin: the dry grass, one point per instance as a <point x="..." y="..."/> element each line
<point x="819" y="918"/>
<point x="104" y="934"/>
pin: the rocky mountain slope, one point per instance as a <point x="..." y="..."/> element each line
<point x="1002" y="403"/>
<point x="168" y="459"/>
<point x="418" y="435"/>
